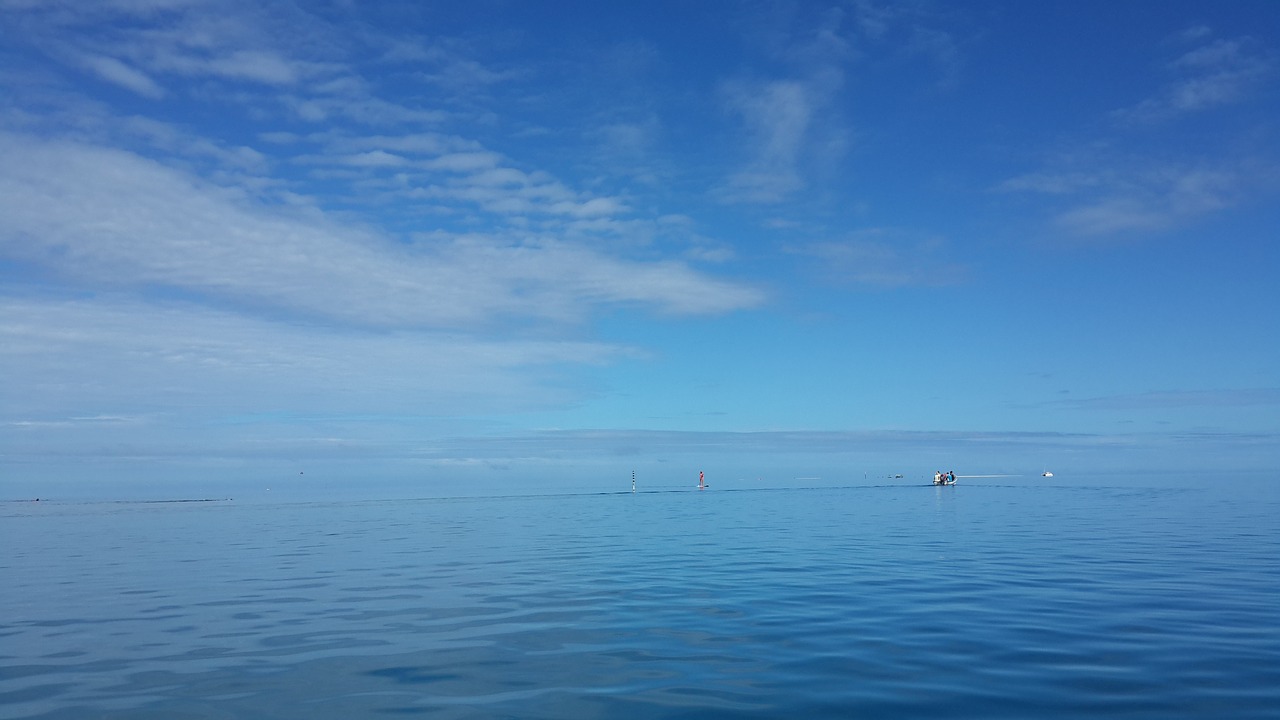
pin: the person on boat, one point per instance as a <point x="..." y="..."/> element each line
<point x="951" y="476"/>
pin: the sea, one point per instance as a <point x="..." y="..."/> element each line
<point x="1035" y="598"/>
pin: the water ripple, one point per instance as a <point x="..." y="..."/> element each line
<point x="990" y="602"/>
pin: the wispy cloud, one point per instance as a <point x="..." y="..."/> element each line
<point x="886" y="258"/>
<point x="67" y="422"/>
<point x="140" y="359"/>
<point x="115" y="71"/>
<point x="344" y="256"/>
<point x="793" y="127"/>
<point x="245" y="53"/>
<point x="1213" y="72"/>
<point x="441" y="62"/>
<point x="359" y="108"/>
<point x="446" y="171"/>
<point x="1118" y="196"/>
<point x="777" y="116"/>
<point x="258" y="66"/>
<point x="115" y="220"/>
<point x="789" y="123"/>
<point x="1096" y="189"/>
<point x="1170" y="399"/>
<point x="912" y="31"/>
<point x="764" y="447"/>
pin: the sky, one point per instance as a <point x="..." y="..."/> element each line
<point x="545" y="244"/>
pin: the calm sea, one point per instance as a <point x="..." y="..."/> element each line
<point x="1016" y="600"/>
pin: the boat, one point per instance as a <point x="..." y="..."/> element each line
<point x="941" y="478"/>
<point x="1046" y="473"/>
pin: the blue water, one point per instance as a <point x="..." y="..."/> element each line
<point x="905" y="601"/>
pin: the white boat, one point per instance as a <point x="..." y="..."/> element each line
<point x="1046" y="473"/>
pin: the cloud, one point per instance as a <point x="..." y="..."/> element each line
<point x="447" y="171"/>
<point x="109" y="219"/>
<point x="777" y="116"/>
<point x="778" y="448"/>
<point x="414" y="143"/>
<point x="909" y="31"/>
<point x="447" y="63"/>
<point x="111" y="377"/>
<point x="370" y="111"/>
<point x="235" y="50"/>
<point x="1093" y="190"/>
<point x="97" y="420"/>
<point x="187" y="348"/>
<point x="507" y="191"/>
<point x="255" y="65"/>
<point x="793" y="130"/>
<point x="1163" y="400"/>
<point x="631" y="147"/>
<point x="463" y="162"/>
<point x="114" y="71"/>
<point x="1119" y="196"/>
<point x="1215" y="72"/>
<point x="1052" y="183"/>
<point x="373" y="158"/>
<point x="884" y="257"/>
<point x="1110" y="216"/>
<point x="181" y="146"/>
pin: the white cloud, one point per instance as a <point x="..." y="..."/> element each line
<point x="364" y="110"/>
<point x="110" y="219"/>
<point x="1052" y="183"/>
<point x="478" y="178"/>
<point x="1094" y="193"/>
<point x="256" y="65"/>
<point x="594" y="207"/>
<point x="115" y="71"/>
<point x="885" y="257"/>
<point x="1163" y="400"/>
<point x="373" y="158"/>
<point x="650" y="444"/>
<point x="777" y="116"/>
<point x="463" y="162"/>
<point x="1114" y="215"/>
<point x="1137" y="200"/>
<point x="229" y="63"/>
<point x="630" y="141"/>
<point x="794" y="132"/>
<point x="173" y="142"/>
<point x="90" y="364"/>
<point x="1214" y="73"/>
<point x="444" y="62"/>
<point x="187" y="38"/>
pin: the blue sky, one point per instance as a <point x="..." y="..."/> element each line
<point x="513" y="243"/>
